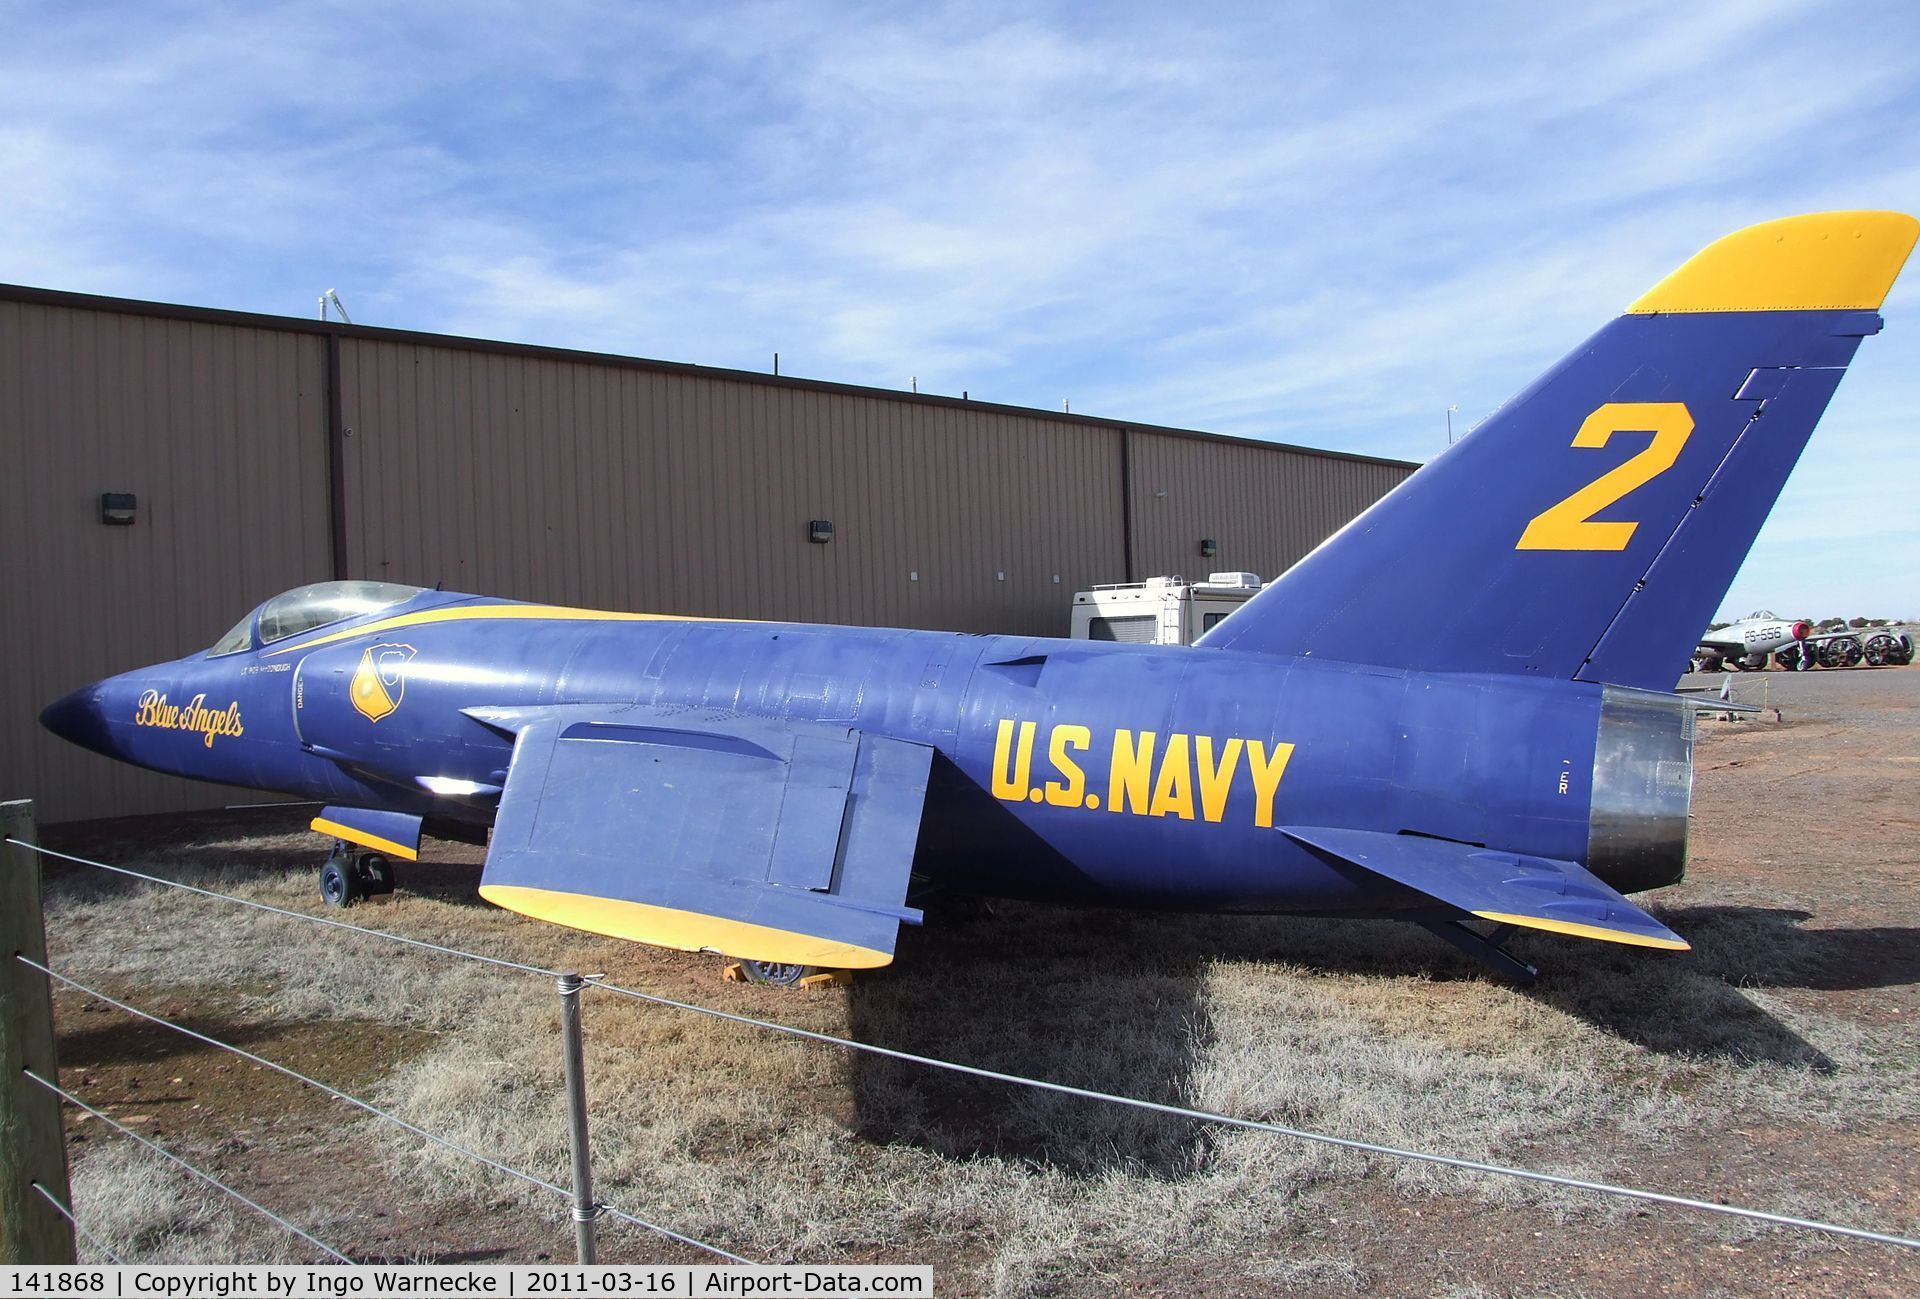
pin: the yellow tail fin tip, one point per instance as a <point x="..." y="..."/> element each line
<point x="1826" y="261"/>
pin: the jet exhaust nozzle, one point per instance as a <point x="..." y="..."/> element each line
<point x="1642" y="789"/>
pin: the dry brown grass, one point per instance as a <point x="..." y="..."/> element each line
<point x="145" y="1208"/>
<point x="786" y="1150"/>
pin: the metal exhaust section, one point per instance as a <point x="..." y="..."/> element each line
<point x="1642" y="789"/>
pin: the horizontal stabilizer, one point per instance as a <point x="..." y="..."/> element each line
<point x="1509" y="888"/>
<point x="395" y="833"/>
<point x="777" y="841"/>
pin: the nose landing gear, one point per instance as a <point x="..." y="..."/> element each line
<point x="353" y="874"/>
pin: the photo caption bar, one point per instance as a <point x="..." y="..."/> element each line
<point x="500" y="1281"/>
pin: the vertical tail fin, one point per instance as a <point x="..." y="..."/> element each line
<point x="1590" y="527"/>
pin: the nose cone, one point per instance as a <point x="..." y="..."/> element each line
<point x="80" y="719"/>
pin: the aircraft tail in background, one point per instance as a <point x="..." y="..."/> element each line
<point x="1590" y="527"/>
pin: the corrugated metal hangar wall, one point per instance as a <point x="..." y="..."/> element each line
<point x="266" y="452"/>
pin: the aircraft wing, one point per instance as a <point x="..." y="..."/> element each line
<point x="1509" y="888"/>
<point x="768" y="840"/>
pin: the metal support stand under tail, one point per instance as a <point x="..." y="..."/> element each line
<point x="1484" y="948"/>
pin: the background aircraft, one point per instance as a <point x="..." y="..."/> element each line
<point x="1456" y="710"/>
<point x="1746" y="645"/>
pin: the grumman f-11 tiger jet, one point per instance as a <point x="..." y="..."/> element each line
<point x="1455" y="711"/>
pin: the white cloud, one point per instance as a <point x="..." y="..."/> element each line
<point x="1323" y="225"/>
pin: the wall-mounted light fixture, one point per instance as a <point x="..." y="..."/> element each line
<point x="1209" y="547"/>
<point x="820" y="530"/>
<point x="117" y="508"/>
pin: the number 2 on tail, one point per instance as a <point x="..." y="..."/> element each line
<point x="1570" y="525"/>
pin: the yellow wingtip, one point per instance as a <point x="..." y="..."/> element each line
<point x="1825" y="261"/>
<point x="1578" y="930"/>
<point x="688" y="931"/>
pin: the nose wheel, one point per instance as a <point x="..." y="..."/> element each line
<point x="352" y="875"/>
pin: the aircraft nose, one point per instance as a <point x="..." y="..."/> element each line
<point x="80" y="718"/>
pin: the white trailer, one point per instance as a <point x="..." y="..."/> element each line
<point x="1160" y="610"/>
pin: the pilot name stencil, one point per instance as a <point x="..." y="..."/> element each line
<point x="154" y="710"/>
<point x="1192" y="777"/>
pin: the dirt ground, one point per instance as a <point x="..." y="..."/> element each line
<point x="1777" y="1066"/>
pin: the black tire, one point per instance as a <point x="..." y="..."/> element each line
<point x="340" y="882"/>
<point x="775" y="974"/>
<point x="1840" y="652"/>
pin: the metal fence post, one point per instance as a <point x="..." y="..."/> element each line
<point x="585" y="1209"/>
<point x="33" y="1147"/>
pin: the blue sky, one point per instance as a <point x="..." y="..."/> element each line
<point x="1320" y="223"/>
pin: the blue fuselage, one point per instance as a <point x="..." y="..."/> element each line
<point x="1137" y="775"/>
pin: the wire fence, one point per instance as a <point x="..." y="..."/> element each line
<point x="585" y="1212"/>
<point x="189" y="1167"/>
<point x="370" y="1108"/>
<point x="77" y="1225"/>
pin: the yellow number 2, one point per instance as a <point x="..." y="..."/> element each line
<point x="1570" y="525"/>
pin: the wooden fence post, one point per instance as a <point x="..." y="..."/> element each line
<point x="33" y="1147"/>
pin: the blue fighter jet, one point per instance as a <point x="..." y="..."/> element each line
<point x="1456" y="711"/>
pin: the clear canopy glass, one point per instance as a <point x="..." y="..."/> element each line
<point x="307" y="607"/>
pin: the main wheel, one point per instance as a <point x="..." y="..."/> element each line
<point x="1840" y="652"/>
<point x="775" y="973"/>
<point x="340" y="881"/>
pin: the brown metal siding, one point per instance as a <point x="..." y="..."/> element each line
<point x="547" y="475"/>
<point x="1265" y="506"/>
<point x="624" y="488"/>
<point x="219" y="432"/>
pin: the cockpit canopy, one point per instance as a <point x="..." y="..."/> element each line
<point x="307" y="607"/>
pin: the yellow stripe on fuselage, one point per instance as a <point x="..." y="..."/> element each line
<point x="323" y="826"/>
<point x="1579" y="930"/>
<point x="481" y="612"/>
<point x="688" y="931"/>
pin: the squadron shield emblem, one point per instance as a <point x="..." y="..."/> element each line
<point x="380" y="682"/>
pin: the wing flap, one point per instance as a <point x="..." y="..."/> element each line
<point x="1562" y="897"/>
<point x="394" y="833"/>
<point x="762" y="839"/>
